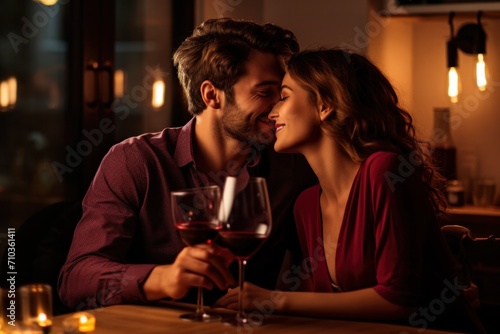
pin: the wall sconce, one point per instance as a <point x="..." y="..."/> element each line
<point x="471" y="39"/>
<point x="47" y="2"/>
<point x="119" y="83"/>
<point x="158" y="98"/>
<point x="8" y="93"/>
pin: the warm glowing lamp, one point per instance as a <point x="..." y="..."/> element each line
<point x="158" y="94"/>
<point x="119" y="83"/>
<point x="12" y="83"/>
<point x="453" y="78"/>
<point x="471" y="39"/>
<point x="4" y="95"/>
<point x="481" y="73"/>
<point x="47" y="2"/>
<point x="453" y="84"/>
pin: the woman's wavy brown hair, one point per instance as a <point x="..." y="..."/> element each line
<point x="217" y="51"/>
<point x="366" y="117"/>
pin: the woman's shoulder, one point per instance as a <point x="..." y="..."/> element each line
<point x="307" y="198"/>
<point x="390" y="162"/>
<point x="309" y="193"/>
<point x="307" y="204"/>
<point x="390" y="169"/>
<point x="382" y="159"/>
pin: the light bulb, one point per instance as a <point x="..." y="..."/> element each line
<point x="4" y="95"/>
<point x="453" y="84"/>
<point x="12" y="82"/>
<point x="119" y="83"/>
<point x="158" y="94"/>
<point x="481" y="73"/>
<point x="48" y="2"/>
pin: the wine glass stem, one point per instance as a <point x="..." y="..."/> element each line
<point x="199" y="305"/>
<point x="242" y="264"/>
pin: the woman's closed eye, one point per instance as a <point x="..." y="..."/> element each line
<point x="283" y="98"/>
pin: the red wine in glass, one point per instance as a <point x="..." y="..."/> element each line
<point x="194" y="233"/>
<point x="242" y="244"/>
<point x="246" y="220"/>
<point x="195" y="214"/>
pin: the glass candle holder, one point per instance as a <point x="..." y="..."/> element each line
<point x="80" y="322"/>
<point x="36" y="306"/>
<point x="5" y="313"/>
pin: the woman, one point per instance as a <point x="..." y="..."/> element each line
<point x="369" y="231"/>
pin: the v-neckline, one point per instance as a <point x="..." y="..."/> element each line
<point x="341" y="230"/>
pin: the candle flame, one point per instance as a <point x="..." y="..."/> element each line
<point x="42" y="317"/>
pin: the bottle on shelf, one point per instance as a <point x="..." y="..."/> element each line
<point x="445" y="152"/>
<point x="455" y="193"/>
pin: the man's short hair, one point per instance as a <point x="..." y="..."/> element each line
<point x="217" y="51"/>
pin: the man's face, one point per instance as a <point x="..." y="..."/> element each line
<point x="255" y="95"/>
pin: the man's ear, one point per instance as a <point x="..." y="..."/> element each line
<point x="325" y="111"/>
<point x="210" y="94"/>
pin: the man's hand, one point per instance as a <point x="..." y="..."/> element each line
<point x="203" y="266"/>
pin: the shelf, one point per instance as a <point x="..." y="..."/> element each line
<point x="416" y="8"/>
<point x="482" y="222"/>
<point x="417" y="12"/>
<point x="475" y="211"/>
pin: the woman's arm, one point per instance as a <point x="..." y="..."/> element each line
<point x="365" y="304"/>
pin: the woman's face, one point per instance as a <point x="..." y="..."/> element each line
<point x="297" y="119"/>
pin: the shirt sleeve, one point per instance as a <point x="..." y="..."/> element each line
<point x="401" y="212"/>
<point x="96" y="273"/>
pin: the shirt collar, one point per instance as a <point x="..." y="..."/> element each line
<point x="184" y="149"/>
<point x="183" y="154"/>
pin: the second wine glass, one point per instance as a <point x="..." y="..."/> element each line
<point x="247" y="222"/>
<point x="195" y="213"/>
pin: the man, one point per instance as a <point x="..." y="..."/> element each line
<point x="125" y="248"/>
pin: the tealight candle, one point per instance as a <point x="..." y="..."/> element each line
<point x="43" y="321"/>
<point x="80" y="322"/>
<point x="36" y="307"/>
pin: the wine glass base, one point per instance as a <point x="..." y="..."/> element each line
<point x="240" y="322"/>
<point x="200" y="317"/>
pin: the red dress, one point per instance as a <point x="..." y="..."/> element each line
<point x="390" y="239"/>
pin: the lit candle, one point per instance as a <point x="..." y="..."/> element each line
<point x="81" y="322"/>
<point x="86" y="323"/>
<point x="44" y="322"/>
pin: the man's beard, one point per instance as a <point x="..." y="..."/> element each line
<point x="243" y="129"/>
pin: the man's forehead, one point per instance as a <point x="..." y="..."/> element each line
<point x="267" y="83"/>
<point x="262" y="71"/>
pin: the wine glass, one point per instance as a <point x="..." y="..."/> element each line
<point x="195" y="212"/>
<point x="246" y="224"/>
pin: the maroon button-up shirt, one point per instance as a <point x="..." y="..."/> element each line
<point x="126" y="228"/>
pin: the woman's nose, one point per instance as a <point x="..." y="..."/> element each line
<point x="274" y="112"/>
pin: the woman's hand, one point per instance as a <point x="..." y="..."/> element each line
<point x="254" y="298"/>
<point x="203" y="266"/>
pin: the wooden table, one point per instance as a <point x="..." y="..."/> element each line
<point x="164" y="318"/>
